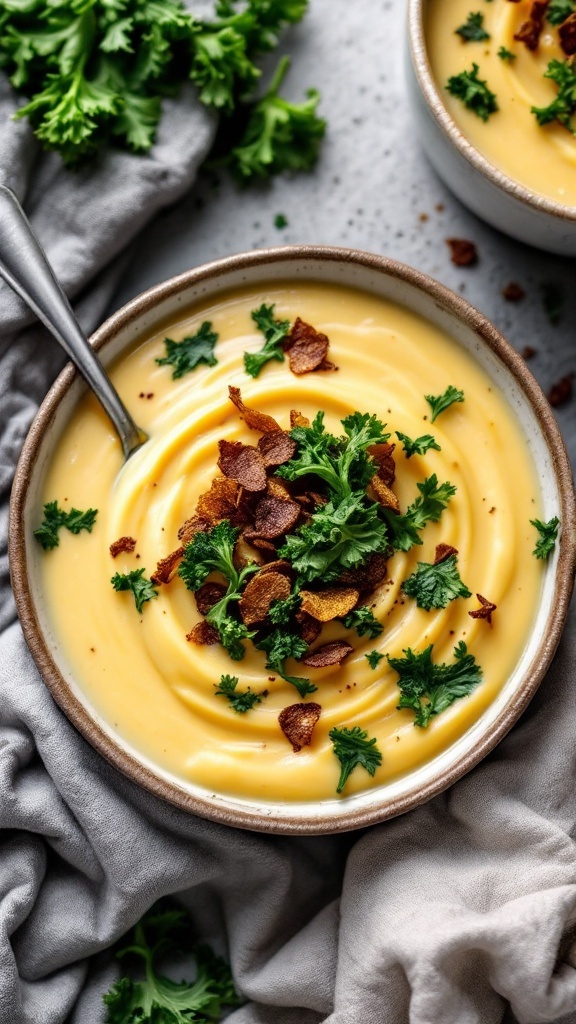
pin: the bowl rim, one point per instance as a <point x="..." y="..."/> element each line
<point x="225" y="810"/>
<point x="447" y="125"/>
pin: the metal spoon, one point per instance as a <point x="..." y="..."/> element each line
<point x="24" y="266"/>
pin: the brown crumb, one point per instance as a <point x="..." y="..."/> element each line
<point x="384" y="495"/>
<point x="332" y="653"/>
<point x="423" y="217"/>
<point x="439" y="207"/>
<point x="383" y="456"/>
<point x="192" y="526"/>
<point x="260" y="592"/>
<point x="444" y="551"/>
<point x="126" y="544"/>
<point x="220" y="502"/>
<point x="166" y="567"/>
<point x="462" y="252"/>
<point x="325" y="605"/>
<point x="530" y="31"/>
<point x="306" y="347"/>
<point x="253" y="418"/>
<point x="513" y="292"/>
<point x="485" y="610"/>
<point x="298" y="420"/>
<point x="297" y="722"/>
<point x="561" y="392"/>
<point x="567" y="33"/>
<point x="243" y="463"/>
<point x="528" y="352"/>
<point x="203" y="633"/>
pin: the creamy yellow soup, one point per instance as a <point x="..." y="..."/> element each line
<point x="543" y="158"/>
<point x="156" y="689"/>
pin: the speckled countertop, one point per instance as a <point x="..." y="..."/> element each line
<point x="372" y="189"/>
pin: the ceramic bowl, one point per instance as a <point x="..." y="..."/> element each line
<point x="385" y="279"/>
<point x="483" y="188"/>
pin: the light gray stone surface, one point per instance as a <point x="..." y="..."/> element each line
<point x="369" y="191"/>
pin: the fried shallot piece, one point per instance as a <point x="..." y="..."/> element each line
<point x="203" y="633"/>
<point x="383" y="456"/>
<point x="444" y="551"/>
<point x="325" y="605"/>
<point x="567" y="33"/>
<point x="252" y="417"/>
<point x="384" y="495"/>
<point x="260" y="592"/>
<point x="530" y="31"/>
<point x="306" y="347"/>
<point x="297" y="722"/>
<point x="332" y="653"/>
<point x="243" y="463"/>
<point x="126" y="544"/>
<point x="484" y="611"/>
<point x="166" y="567"/>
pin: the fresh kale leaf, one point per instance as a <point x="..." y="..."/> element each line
<point x="364" y="622"/>
<point x="418" y="446"/>
<point x="558" y="10"/>
<point x="141" y="587"/>
<point x="473" y="92"/>
<point x="426" y="688"/>
<point x="279" y="645"/>
<point x="164" y="933"/>
<point x="548" y="533"/>
<point x="240" y="702"/>
<point x="184" y="356"/>
<point x="505" y="54"/>
<point x="210" y="552"/>
<point x="279" y="135"/>
<point x="428" y="507"/>
<point x="282" y="609"/>
<point x="435" y="585"/>
<point x="374" y="658"/>
<point x="438" y="403"/>
<point x="352" y="748"/>
<point x="473" y="31"/>
<point x="55" y="518"/>
<point x="275" y="332"/>
<point x="562" y="107"/>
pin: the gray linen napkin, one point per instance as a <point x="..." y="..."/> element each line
<point x="444" y="914"/>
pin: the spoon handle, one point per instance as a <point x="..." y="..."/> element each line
<point x="24" y="266"/>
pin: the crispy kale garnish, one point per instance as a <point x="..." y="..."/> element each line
<point x="184" y="356"/>
<point x="363" y="621"/>
<point x="374" y="658"/>
<point x="434" y="585"/>
<point x="427" y="688"/>
<point x="427" y="508"/>
<point x="473" y="92"/>
<point x="548" y="532"/>
<point x="473" y="31"/>
<point x="280" y="645"/>
<point x="438" y="403"/>
<point x="561" y="109"/>
<point x="141" y="587"/>
<point x="352" y="748"/>
<point x="242" y="701"/>
<point x="275" y="332"/>
<point x="214" y="551"/>
<point x="55" y="518"/>
<point x="419" y="445"/>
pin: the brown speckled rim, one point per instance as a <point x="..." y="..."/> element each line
<point x="433" y="97"/>
<point x="223" y="809"/>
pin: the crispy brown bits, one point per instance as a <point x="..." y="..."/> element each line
<point x="203" y="633"/>
<point x="383" y="456"/>
<point x="220" y="502"/>
<point x="166" y="567"/>
<point x="297" y="723"/>
<point x="208" y="595"/>
<point x="530" y="31"/>
<point x="275" y="516"/>
<point x="384" y="495"/>
<point x="561" y="391"/>
<point x="462" y="252"/>
<point x="444" y="551"/>
<point x="368" y="576"/>
<point x="280" y="565"/>
<point x="252" y="417"/>
<point x="306" y="348"/>
<point x="513" y="292"/>
<point x="126" y="544"/>
<point x="332" y="653"/>
<point x="192" y="526"/>
<point x="242" y="463"/>
<point x="276" y="447"/>
<point x="326" y="605"/>
<point x="278" y="488"/>
<point x="297" y="419"/>
<point x="260" y="591"/>
<point x="484" y="611"/>
<point x="310" y="628"/>
<point x="567" y="33"/>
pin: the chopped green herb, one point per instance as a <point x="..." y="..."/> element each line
<point x="184" y="356"/>
<point x="279" y="135"/>
<point x="505" y="54"/>
<point x="240" y="702"/>
<point x="275" y="333"/>
<point x="548" y="533"/>
<point x="141" y="587"/>
<point x="418" y="446"/>
<point x="427" y="508"/>
<point x="438" y="403"/>
<point x="426" y="688"/>
<point x="164" y="933"/>
<point x="212" y="551"/>
<point x="352" y="748"/>
<point x="374" y="658"/>
<point x="434" y="586"/>
<point x="473" y="92"/>
<point x="279" y="645"/>
<point x="553" y="301"/>
<point x="562" y="107"/>
<point x="280" y="221"/>
<point x="55" y="518"/>
<point x="558" y="10"/>
<point x="364" y="622"/>
<point x="282" y="609"/>
<point x="472" y="31"/>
